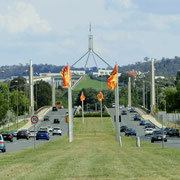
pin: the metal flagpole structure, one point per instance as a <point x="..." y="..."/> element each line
<point x="70" y="113"/>
<point x="91" y="52"/>
<point x="101" y="109"/>
<point x="117" y="111"/>
<point x="83" y="112"/>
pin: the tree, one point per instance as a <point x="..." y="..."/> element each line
<point x="3" y="107"/>
<point x="44" y="94"/>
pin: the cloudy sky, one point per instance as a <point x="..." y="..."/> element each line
<point x="56" y="31"/>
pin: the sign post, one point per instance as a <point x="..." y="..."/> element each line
<point x="34" y="121"/>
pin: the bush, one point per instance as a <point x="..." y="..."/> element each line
<point x="92" y="115"/>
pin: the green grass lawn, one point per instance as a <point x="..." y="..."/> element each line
<point x="87" y="82"/>
<point x="94" y="154"/>
<point x="14" y="126"/>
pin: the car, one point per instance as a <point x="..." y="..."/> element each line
<point x="158" y="135"/>
<point x="54" y="108"/>
<point x="173" y="132"/>
<point x="44" y="129"/>
<point x="124" y="112"/>
<point x="2" y="144"/>
<point x="123" y="128"/>
<point x="150" y="125"/>
<point x="113" y="105"/>
<point x="32" y="133"/>
<point x="56" y="121"/>
<point x="50" y="128"/>
<point x="23" y="134"/>
<point x="130" y="132"/>
<point x="46" y="118"/>
<point x="137" y="117"/>
<point x="42" y="135"/>
<point x="7" y="136"/>
<point x="132" y="110"/>
<point x="14" y="133"/>
<point x="142" y="123"/>
<point x="148" y="131"/>
<point x="56" y="130"/>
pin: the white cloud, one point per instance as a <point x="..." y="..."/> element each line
<point x="23" y="17"/>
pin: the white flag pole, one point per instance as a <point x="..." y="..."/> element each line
<point x="70" y="114"/>
<point x="117" y="111"/>
<point x="101" y="109"/>
<point x="83" y="112"/>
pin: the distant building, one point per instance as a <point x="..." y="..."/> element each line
<point x="103" y="72"/>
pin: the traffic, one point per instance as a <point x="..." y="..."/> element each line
<point x="50" y="127"/>
<point x="133" y="125"/>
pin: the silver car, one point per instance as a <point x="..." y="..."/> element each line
<point x="2" y="144"/>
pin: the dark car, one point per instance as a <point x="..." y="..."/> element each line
<point x="173" y="132"/>
<point x="158" y="135"/>
<point x="42" y="135"/>
<point x="7" y="136"/>
<point x="14" y="133"/>
<point x="124" y="112"/>
<point x="23" y="134"/>
<point x="142" y="123"/>
<point x="123" y="128"/>
<point x="56" y="121"/>
<point x="46" y="118"/>
<point x="149" y="125"/>
<point x="132" y="110"/>
<point x="166" y="130"/>
<point x="54" y="108"/>
<point x="137" y="117"/>
<point x="130" y="132"/>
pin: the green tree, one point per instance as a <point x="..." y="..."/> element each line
<point x="44" y="94"/>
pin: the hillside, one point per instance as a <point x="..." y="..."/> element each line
<point x="164" y="67"/>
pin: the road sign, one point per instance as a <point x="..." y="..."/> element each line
<point x="34" y="119"/>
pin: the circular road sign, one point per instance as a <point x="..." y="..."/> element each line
<point x="34" y="119"/>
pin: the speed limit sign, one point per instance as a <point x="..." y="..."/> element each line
<point x="34" y="119"/>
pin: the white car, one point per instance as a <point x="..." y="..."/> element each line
<point x="56" y="130"/>
<point x="148" y="131"/>
<point x="44" y="129"/>
<point x="50" y="128"/>
<point x="32" y="133"/>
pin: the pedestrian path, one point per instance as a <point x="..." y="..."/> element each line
<point x="148" y="117"/>
<point x="40" y="115"/>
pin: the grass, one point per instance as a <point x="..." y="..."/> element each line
<point x="87" y="82"/>
<point x="14" y="126"/>
<point x="94" y="154"/>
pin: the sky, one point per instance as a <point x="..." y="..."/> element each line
<point x="56" y="31"/>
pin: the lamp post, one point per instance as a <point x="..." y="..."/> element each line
<point x="17" y="103"/>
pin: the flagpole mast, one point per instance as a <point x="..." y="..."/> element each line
<point x="83" y="112"/>
<point x="70" y="113"/>
<point x="101" y="109"/>
<point x="117" y="111"/>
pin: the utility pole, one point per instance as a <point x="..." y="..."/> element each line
<point x="143" y="94"/>
<point x="31" y="84"/>
<point x="152" y="87"/>
<point x="53" y="93"/>
<point x="129" y="92"/>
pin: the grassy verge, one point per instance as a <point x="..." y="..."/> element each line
<point x="94" y="154"/>
<point x="98" y="85"/>
<point x="14" y="126"/>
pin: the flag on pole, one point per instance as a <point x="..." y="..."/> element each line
<point x="66" y="76"/>
<point x="112" y="80"/>
<point x="100" y="96"/>
<point x="82" y="97"/>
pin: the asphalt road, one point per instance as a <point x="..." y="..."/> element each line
<point x="23" y="143"/>
<point x="128" y="120"/>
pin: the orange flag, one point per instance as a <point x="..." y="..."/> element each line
<point x="100" y="96"/>
<point x="82" y="98"/>
<point x="66" y="76"/>
<point x="112" y="80"/>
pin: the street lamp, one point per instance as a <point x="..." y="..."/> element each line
<point x="17" y="103"/>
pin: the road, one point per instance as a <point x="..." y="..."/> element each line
<point x="127" y="120"/>
<point x="23" y="143"/>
